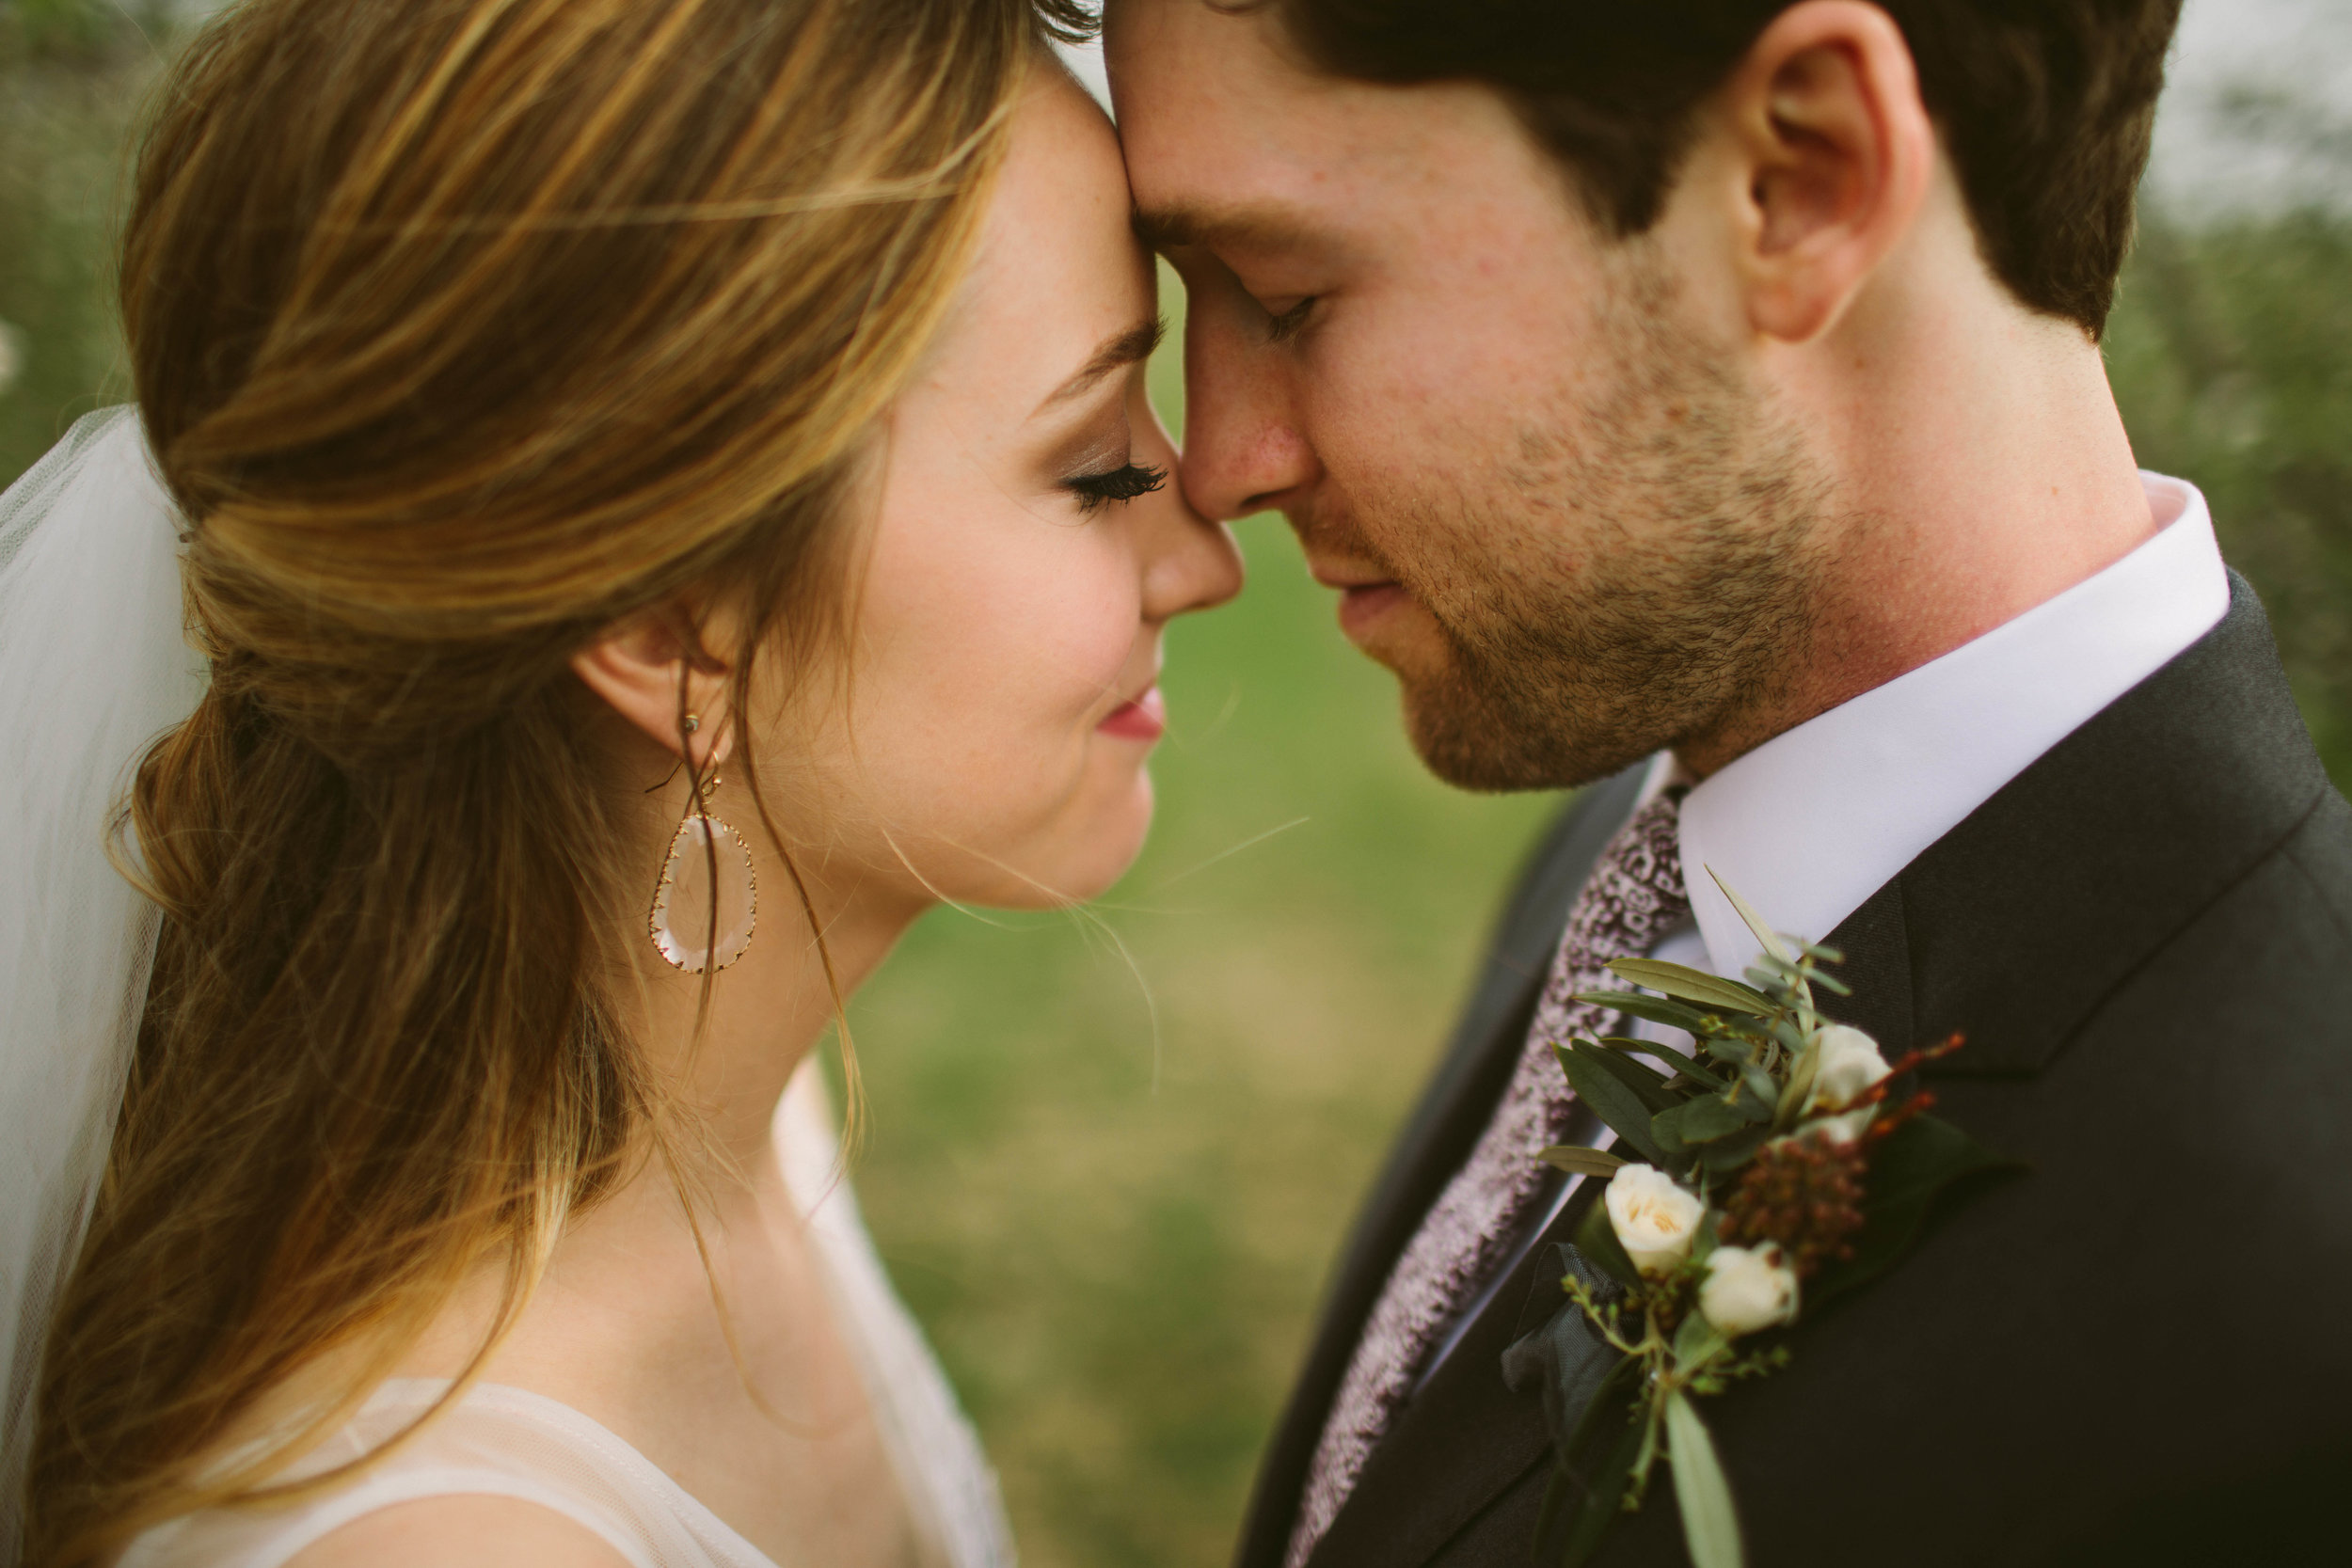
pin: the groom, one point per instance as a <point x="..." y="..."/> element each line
<point x="1701" y="400"/>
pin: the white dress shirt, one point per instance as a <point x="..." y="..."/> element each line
<point x="1811" y="823"/>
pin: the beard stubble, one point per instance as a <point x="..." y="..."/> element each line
<point x="1642" y="572"/>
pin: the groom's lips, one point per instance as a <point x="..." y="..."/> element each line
<point x="1362" y="604"/>
<point x="1366" y="595"/>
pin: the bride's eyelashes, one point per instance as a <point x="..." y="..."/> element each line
<point x="1122" y="483"/>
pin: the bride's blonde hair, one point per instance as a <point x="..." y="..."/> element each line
<point x="462" y="330"/>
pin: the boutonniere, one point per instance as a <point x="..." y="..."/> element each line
<point x="1758" y="1179"/>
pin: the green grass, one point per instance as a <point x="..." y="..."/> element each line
<point x="1112" y="1154"/>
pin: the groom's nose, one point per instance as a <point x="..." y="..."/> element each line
<point x="1244" y="451"/>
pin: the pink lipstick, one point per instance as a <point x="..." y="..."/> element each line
<point x="1145" y="719"/>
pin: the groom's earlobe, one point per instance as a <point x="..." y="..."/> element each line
<point x="1837" y="153"/>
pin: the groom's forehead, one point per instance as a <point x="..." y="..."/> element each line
<point x="1190" y="76"/>
<point x="1229" y="135"/>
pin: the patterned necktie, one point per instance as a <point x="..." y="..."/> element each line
<point x="1634" y="896"/>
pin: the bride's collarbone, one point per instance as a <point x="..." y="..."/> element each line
<point x="722" y="1364"/>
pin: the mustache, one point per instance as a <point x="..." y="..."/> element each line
<point x="1325" y="528"/>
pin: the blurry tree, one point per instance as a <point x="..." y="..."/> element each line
<point x="2231" y="351"/>
<point x="73" y="73"/>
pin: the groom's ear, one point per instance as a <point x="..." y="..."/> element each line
<point x="1826" y="126"/>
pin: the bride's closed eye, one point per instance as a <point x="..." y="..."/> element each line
<point x="1122" y="483"/>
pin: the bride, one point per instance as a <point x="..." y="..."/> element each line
<point x="661" y="492"/>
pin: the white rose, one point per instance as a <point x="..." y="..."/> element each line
<point x="1654" y="1218"/>
<point x="1850" y="1063"/>
<point x="1746" y="1290"/>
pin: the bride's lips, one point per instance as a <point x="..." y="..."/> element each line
<point x="1145" y="719"/>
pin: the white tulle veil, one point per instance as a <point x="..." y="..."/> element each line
<point x="94" y="664"/>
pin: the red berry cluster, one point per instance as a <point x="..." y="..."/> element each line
<point x="1804" y="1193"/>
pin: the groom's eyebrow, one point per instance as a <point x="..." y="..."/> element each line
<point x="1182" y="223"/>
<point x="1119" y="350"/>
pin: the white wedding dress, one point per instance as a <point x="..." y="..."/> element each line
<point x="509" y="1443"/>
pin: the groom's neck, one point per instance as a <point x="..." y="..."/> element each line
<point x="1974" y="467"/>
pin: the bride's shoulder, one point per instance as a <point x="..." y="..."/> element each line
<point x="493" y="1476"/>
<point x="461" y="1532"/>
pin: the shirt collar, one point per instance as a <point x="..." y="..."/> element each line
<point x="1811" y="823"/>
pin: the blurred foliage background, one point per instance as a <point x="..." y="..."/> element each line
<point x="1112" y="1152"/>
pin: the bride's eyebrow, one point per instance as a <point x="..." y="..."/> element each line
<point x="1119" y="350"/>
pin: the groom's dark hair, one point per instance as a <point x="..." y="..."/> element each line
<point x="2044" y="106"/>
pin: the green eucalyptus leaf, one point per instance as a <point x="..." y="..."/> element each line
<point x="1666" y="1128"/>
<point x="1760" y="1083"/>
<point x="1831" y="983"/>
<point x="1697" y="1343"/>
<point x="1675" y="1059"/>
<point x="1711" y="1116"/>
<point x="1720" y="1155"/>
<point x="1703" y="1241"/>
<point x="1774" y="975"/>
<point x="1611" y="1100"/>
<point x="1800" y="1085"/>
<point x="1711" y="1526"/>
<point x="1645" y="1081"/>
<point x="1909" y="1171"/>
<point x="1765" y="936"/>
<point x="1658" y="1009"/>
<point x="1596" y="1238"/>
<point x="1693" y="984"/>
<point x="1579" y="1161"/>
<point x="1732" y="1054"/>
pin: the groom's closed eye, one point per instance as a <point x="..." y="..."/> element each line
<point x="1262" y="248"/>
<point x="1287" y="322"/>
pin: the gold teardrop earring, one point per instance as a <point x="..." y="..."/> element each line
<point x="706" y="904"/>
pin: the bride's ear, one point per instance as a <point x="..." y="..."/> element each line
<point x="653" y="671"/>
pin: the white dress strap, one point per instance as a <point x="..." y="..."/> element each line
<point x="495" y="1441"/>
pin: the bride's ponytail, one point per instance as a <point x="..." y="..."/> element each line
<point x="461" y="332"/>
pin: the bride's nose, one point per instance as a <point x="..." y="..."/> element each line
<point x="1189" y="562"/>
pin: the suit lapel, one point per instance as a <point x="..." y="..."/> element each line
<point x="2015" y="925"/>
<point x="1451" y="1115"/>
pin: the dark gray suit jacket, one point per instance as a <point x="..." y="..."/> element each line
<point x="2140" y="1352"/>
